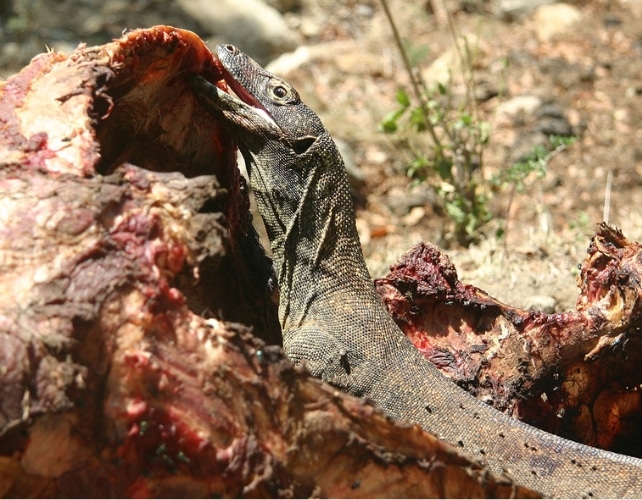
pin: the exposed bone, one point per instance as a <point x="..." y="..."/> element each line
<point x="575" y="374"/>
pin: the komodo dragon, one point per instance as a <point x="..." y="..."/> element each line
<point x="331" y="317"/>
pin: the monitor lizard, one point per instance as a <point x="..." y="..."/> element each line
<point x="331" y="317"/>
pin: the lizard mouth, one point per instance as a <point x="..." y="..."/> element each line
<point x="244" y="96"/>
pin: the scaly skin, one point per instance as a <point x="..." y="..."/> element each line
<point x="331" y="317"/>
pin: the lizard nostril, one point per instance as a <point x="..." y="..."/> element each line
<point x="230" y="48"/>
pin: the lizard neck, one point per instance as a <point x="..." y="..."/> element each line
<point x="315" y="245"/>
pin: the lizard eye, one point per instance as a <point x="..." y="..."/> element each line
<point x="280" y="91"/>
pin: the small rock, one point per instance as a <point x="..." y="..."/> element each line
<point x="555" y="20"/>
<point x="449" y="64"/>
<point x="288" y="62"/>
<point x="285" y="5"/>
<point x="414" y="217"/>
<point x="536" y="121"/>
<point x="376" y="156"/>
<point x="519" y="106"/>
<point x="254" y="26"/>
<point x="525" y="144"/>
<point x="309" y="54"/>
<point x="402" y="201"/>
<point x="551" y="120"/>
<point x="633" y="6"/>
<point x="484" y="91"/>
<point x="441" y="69"/>
<point x="364" y="10"/>
<point x="554" y="126"/>
<point x="359" y="63"/>
<point x="567" y="75"/>
<point x="611" y="20"/>
<point x="550" y="110"/>
<point x="542" y="303"/>
<point x="93" y="23"/>
<point x="309" y="27"/>
<point x="513" y="10"/>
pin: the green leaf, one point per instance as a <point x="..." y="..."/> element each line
<point x="418" y="119"/>
<point x="402" y="98"/>
<point x="444" y="168"/>
<point x="560" y="140"/>
<point x="465" y="120"/>
<point x="417" y="54"/>
<point x="472" y="225"/>
<point x="417" y="169"/>
<point x="484" y="132"/>
<point x="455" y="213"/>
<point x="389" y="122"/>
<point x="388" y="126"/>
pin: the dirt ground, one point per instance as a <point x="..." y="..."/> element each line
<point x="592" y="72"/>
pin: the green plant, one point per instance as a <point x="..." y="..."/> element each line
<point x="452" y="160"/>
<point x="449" y="155"/>
<point x="451" y="163"/>
<point x="536" y="162"/>
<point x="581" y="223"/>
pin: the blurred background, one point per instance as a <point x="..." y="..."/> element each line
<point x="501" y="130"/>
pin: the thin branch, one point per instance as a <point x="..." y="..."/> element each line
<point x="439" y="11"/>
<point x="415" y="77"/>
<point x="607" y="197"/>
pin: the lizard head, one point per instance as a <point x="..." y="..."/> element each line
<point x="299" y="125"/>
<point x="267" y="109"/>
<point x="285" y="146"/>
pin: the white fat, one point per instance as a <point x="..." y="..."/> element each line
<point x="265" y="116"/>
<point x="259" y="111"/>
